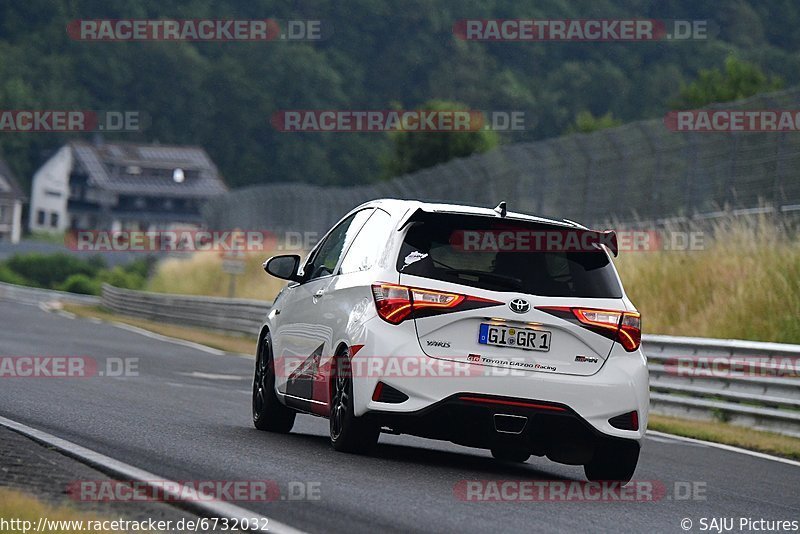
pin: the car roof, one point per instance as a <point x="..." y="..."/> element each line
<point x="400" y="207"/>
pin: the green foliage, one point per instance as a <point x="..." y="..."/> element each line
<point x="10" y="277"/>
<point x="738" y="80"/>
<point x="222" y="95"/>
<point x="50" y="270"/>
<point x="80" y="283"/>
<point x="585" y="122"/>
<point x="70" y="273"/>
<point x="419" y="150"/>
<point x="119" y="277"/>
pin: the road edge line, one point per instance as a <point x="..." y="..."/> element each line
<point x="113" y="467"/>
<point x="725" y="447"/>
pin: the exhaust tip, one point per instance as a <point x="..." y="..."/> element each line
<point x="509" y="424"/>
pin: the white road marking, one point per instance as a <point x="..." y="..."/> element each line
<point x="129" y="472"/>
<point x="724" y="447"/>
<point x="212" y="376"/>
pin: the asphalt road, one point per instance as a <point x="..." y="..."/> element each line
<point x="187" y="417"/>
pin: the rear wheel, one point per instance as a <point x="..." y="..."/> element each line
<point x="348" y="433"/>
<point x="613" y="460"/>
<point x="506" y="454"/>
<point x="268" y="412"/>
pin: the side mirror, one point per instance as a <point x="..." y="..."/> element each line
<point x="284" y="267"/>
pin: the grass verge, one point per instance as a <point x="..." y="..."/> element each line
<point x="15" y="505"/>
<point x="226" y="342"/>
<point x="746" y="438"/>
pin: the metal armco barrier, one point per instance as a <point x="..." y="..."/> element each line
<point x="232" y="315"/>
<point x="32" y="295"/>
<point x="746" y="383"/>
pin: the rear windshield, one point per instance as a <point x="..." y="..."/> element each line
<point x="503" y="255"/>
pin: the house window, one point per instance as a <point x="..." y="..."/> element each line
<point x="40" y="217"/>
<point x="54" y="220"/>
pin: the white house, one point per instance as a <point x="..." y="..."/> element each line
<point x="11" y="199"/>
<point x="122" y="186"/>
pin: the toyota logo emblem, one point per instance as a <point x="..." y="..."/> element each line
<point x="519" y="305"/>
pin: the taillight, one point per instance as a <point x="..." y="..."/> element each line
<point x="630" y="331"/>
<point x="393" y="302"/>
<point x="396" y="303"/>
<point x="625" y="327"/>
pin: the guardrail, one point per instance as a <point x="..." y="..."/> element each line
<point x="746" y="383"/>
<point x="32" y="295"/>
<point x="232" y="315"/>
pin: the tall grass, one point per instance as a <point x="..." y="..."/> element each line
<point x="202" y="274"/>
<point x="744" y="283"/>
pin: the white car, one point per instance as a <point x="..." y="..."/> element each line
<point x="483" y="327"/>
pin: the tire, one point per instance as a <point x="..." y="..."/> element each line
<point x="268" y="412"/>
<point x="357" y="435"/>
<point x="614" y="461"/>
<point x="511" y="455"/>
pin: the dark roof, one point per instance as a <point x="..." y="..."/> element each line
<point x="9" y="187"/>
<point x="130" y="168"/>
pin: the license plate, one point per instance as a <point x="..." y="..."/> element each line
<point x="511" y="336"/>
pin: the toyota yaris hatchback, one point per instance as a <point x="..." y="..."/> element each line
<point x="483" y="327"/>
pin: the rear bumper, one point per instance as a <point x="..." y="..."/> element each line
<point x="543" y="429"/>
<point x="620" y="386"/>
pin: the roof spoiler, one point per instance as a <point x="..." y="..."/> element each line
<point x="611" y="242"/>
<point x="608" y="238"/>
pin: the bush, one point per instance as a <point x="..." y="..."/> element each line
<point x="120" y="277"/>
<point x="80" y="283"/>
<point x="51" y="270"/>
<point x="10" y="277"/>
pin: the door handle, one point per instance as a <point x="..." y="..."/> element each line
<point x="319" y="294"/>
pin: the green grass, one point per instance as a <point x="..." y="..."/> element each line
<point x="719" y="432"/>
<point x="202" y="274"/>
<point x="17" y="505"/>
<point x="745" y="284"/>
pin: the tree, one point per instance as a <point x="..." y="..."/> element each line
<point x="412" y="151"/>
<point x="585" y="122"/>
<point x="738" y="80"/>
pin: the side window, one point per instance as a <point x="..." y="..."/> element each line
<point x="329" y="252"/>
<point x="368" y="244"/>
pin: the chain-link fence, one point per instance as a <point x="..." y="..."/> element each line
<point x="641" y="170"/>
